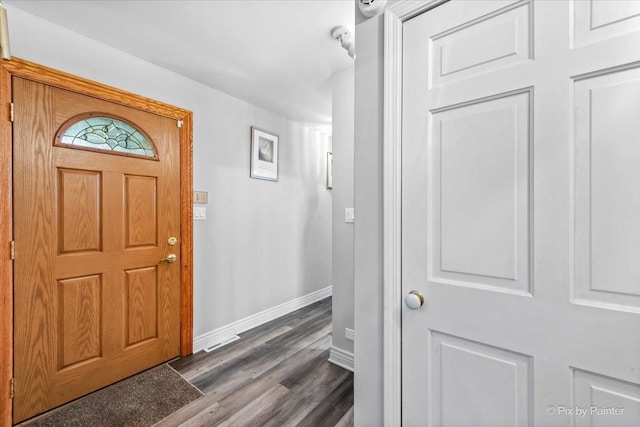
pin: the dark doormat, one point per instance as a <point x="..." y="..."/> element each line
<point x="141" y="400"/>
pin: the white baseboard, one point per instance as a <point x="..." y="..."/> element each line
<point x="226" y="333"/>
<point x="342" y="358"/>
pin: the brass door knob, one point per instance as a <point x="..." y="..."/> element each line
<point x="170" y="258"/>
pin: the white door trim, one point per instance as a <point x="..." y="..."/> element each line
<point x="394" y="17"/>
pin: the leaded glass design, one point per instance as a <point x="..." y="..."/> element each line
<point x="107" y="133"/>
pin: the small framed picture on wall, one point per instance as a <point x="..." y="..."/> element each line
<point x="264" y="154"/>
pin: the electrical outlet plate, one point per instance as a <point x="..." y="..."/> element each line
<point x="349" y="215"/>
<point x="349" y="334"/>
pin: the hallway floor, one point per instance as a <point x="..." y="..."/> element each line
<point x="277" y="374"/>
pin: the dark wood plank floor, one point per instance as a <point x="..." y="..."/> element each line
<point x="277" y="374"/>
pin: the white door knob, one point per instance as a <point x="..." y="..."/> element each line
<point x="414" y="300"/>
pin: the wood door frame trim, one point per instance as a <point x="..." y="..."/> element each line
<point x="29" y="70"/>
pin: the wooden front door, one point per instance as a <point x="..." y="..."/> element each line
<point x="96" y="200"/>
<point x="520" y="214"/>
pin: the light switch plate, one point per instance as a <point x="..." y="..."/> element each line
<point x="199" y="212"/>
<point x="349" y="215"/>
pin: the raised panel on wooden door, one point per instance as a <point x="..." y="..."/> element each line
<point x="79" y="320"/>
<point x="607" y="190"/>
<point x="479" y="207"/>
<point x="141" y="287"/>
<point x="505" y="35"/>
<point x="604" y="401"/>
<point x="473" y="384"/>
<point x="141" y="223"/>
<point x="597" y="20"/>
<point x="79" y="210"/>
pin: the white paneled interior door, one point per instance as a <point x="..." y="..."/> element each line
<point x="521" y="214"/>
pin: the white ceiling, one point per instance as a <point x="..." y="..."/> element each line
<point x="277" y="54"/>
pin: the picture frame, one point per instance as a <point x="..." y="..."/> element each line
<point x="265" y="151"/>
<point x="329" y="170"/>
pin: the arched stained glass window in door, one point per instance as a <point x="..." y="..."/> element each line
<point x="104" y="133"/>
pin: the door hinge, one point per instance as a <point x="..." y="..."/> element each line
<point x="12" y="387"/>
<point x="13" y="249"/>
<point x="179" y="123"/>
<point x="11" y="112"/>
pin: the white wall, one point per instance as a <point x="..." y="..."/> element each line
<point x="263" y="243"/>
<point x="342" y="278"/>
<point x="368" y="230"/>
